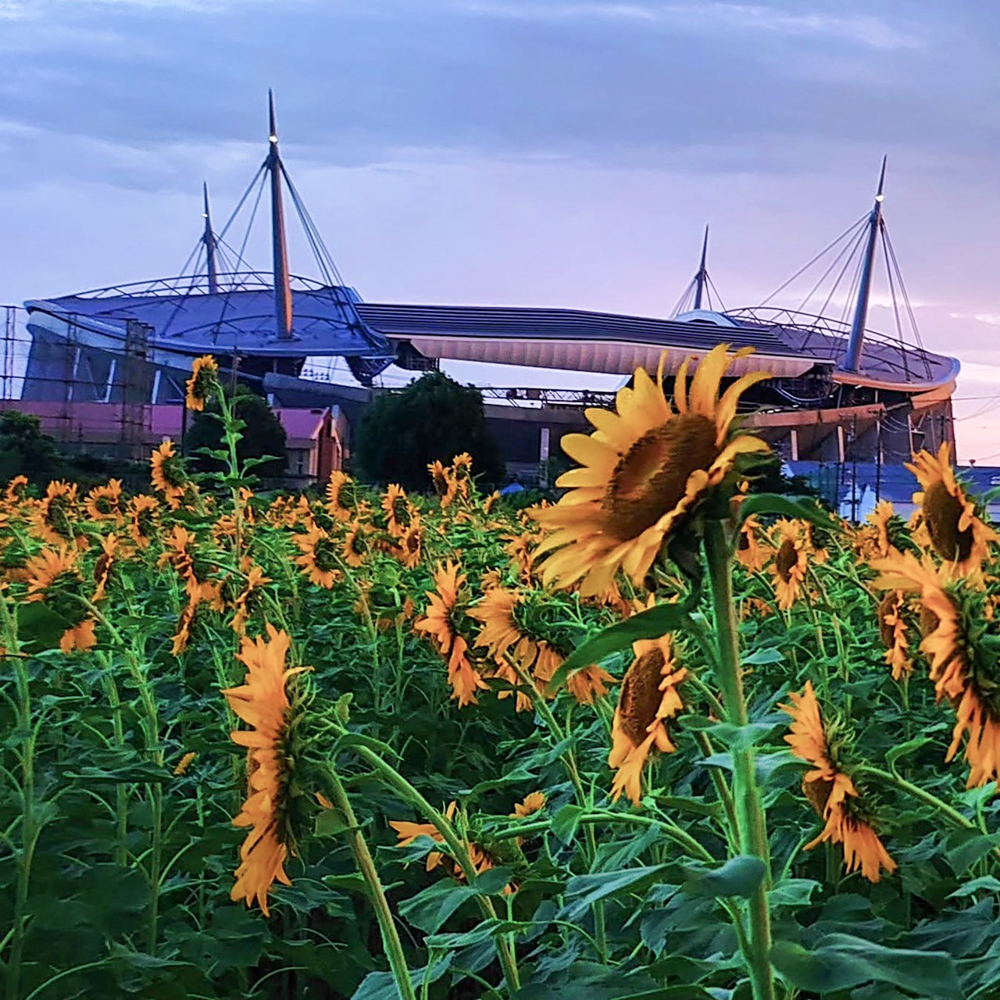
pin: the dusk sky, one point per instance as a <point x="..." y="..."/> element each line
<point x="520" y="152"/>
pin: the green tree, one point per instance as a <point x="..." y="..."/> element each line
<point x="25" y="450"/>
<point x="433" y="418"/>
<point x="263" y="435"/>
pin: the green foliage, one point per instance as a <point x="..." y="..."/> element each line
<point x="432" y="419"/>
<point x="25" y="450"/>
<point x="262" y="436"/>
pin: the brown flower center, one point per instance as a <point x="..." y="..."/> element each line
<point x="929" y="621"/>
<point x="786" y="559"/>
<point x="818" y="793"/>
<point x="942" y="513"/>
<point x="650" y="479"/>
<point x="640" y="695"/>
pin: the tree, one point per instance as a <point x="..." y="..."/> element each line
<point x="432" y="419"/>
<point x="262" y="435"/>
<point x="25" y="450"/>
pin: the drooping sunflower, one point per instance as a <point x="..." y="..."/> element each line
<point x="14" y="491"/>
<point x="142" y="519"/>
<point x="832" y="792"/>
<point x="399" y="510"/>
<point x="319" y="560"/>
<point x="791" y="560"/>
<point x="356" y="547"/>
<point x="104" y="564"/>
<point x="179" y="553"/>
<point x="438" y="623"/>
<point x="203" y="381"/>
<point x="342" y="497"/>
<point x="248" y="597"/>
<point x="54" y="579"/>
<point x="54" y="515"/>
<point x="167" y="473"/>
<point x="647" y="700"/>
<point x="960" y="640"/>
<point x="262" y="702"/>
<point x="955" y="530"/>
<point x="643" y="470"/>
<point x="104" y="503"/>
<point x="445" y="484"/>
<point x="893" y="629"/>
<point x="750" y="553"/>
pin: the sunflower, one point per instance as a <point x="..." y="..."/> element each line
<point x="751" y="554"/>
<point x="177" y="553"/>
<point x="104" y="503"/>
<point x="892" y="628"/>
<point x="203" y="381"/>
<point x="531" y="804"/>
<point x="399" y="510"/>
<point x="54" y="580"/>
<point x="589" y="684"/>
<point x="319" y="560"/>
<point x="355" y="548"/>
<point x="14" y="490"/>
<point x="262" y="702"/>
<point x="247" y="598"/>
<point x="643" y="470"/>
<point x="408" y="547"/>
<point x="648" y="698"/>
<point x="167" y="473"/>
<point x="438" y="623"/>
<point x="445" y="484"/>
<point x="832" y="792"/>
<point x="955" y="531"/>
<point x="490" y="502"/>
<point x="408" y="833"/>
<point x="54" y="514"/>
<point x="342" y="496"/>
<point x="103" y="565"/>
<point x="142" y="519"/>
<point x="499" y="630"/>
<point x="791" y="560"/>
<point x="963" y="663"/>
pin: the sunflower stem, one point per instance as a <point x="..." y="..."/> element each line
<point x="366" y="865"/>
<point x="569" y="760"/>
<point x="458" y="851"/>
<point x="752" y="828"/>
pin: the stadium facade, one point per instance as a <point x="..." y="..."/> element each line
<point x="839" y="391"/>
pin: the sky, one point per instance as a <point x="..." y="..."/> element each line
<point x="521" y="152"/>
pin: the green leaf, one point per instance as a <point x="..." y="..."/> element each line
<point x="566" y="821"/>
<point x="986" y="883"/>
<point x="841" y="961"/>
<point x="762" y="657"/>
<point x="739" y="876"/>
<point x="776" y="503"/>
<point x="331" y="823"/>
<point x="39" y="626"/>
<point x="582" y="891"/>
<point x="905" y="749"/>
<point x="649" y="624"/>
<point x="429" y="909"/>
<point x="793" y="892"/>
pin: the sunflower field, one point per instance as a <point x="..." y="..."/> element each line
<point x="668" y="737"/>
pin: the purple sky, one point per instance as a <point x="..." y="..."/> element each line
<point x="520" y="151"/>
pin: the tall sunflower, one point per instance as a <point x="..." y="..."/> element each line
<point x="142" y="519"/>
<point x="167" y="473"/>
<point x="444" y="482"/>
<point x="643" y="469"/>
<point x="54" y="515"/>
<point x="832" y="792"/>
<point x="398" y="509"/>
<point x="647" y="700"/>
<point x="791" y="560"/>
<point x="342" y="497"/>
<point x="750" y="553"/>
<point x="203" y="381"/>
<point x="408" y="547"/>
<point x="893" y="631"/>
<point x="104" y="503"/>
<point x="955" y="530"/>
<point x="356" y="547"/>
<point x="262" y="702"/>
<point x="104" y="564"/>
<point x="53" y="578"/>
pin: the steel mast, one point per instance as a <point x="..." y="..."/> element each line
<point x="282" y="280"/>
<point x="701" y="278"/>
<point x="210" y="241"/>
<point x="856" y="342"/>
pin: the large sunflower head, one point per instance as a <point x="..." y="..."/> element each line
<point x="790" y="562"/>
<point x="438" y="619"/>
<point x="263" y="702"/>
<point x="398" y="509"/>
<point x="142" y="519"/>
<point x="956" y="532"/>
<point x="55" y="514"/>
<point x="643" y="470"/>
<point x="203" y="382"/>
<point x="342" y="496"/>
<point x="356" y="545"/>
<point x="408" y="547"/>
